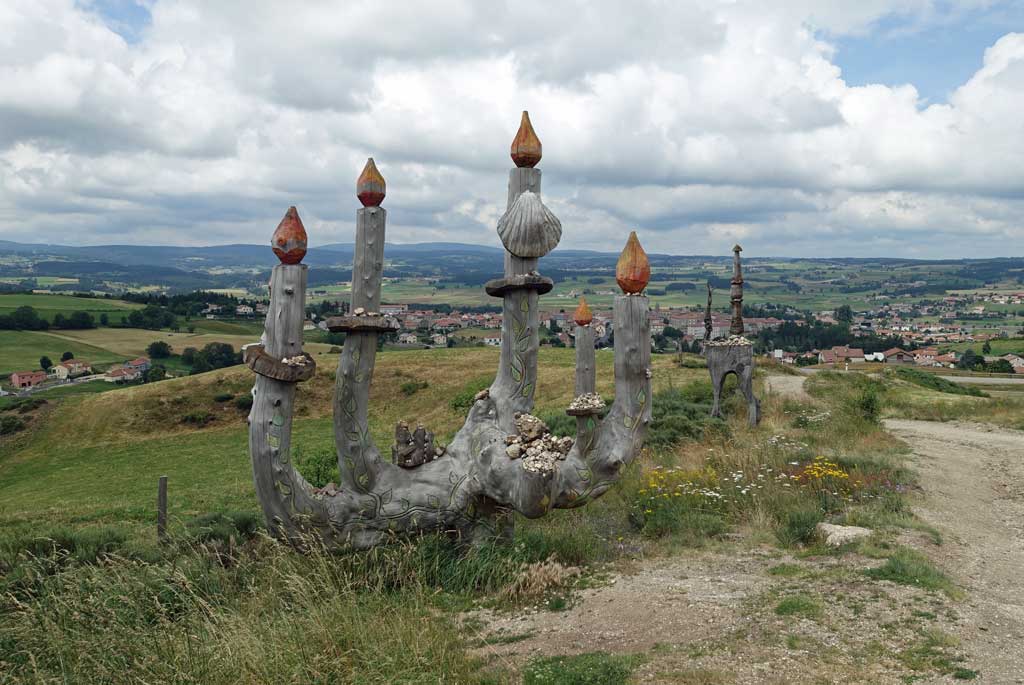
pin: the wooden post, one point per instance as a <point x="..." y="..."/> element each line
<point x="161" y="509"/>
<point x="586" y="371"/>
<point x="736" y="293"/>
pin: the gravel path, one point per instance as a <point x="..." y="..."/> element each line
<point x="973" y="478"/>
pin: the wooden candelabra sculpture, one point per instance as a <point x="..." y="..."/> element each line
<point x="734" y="354"/>
<point x="503" y="459"/>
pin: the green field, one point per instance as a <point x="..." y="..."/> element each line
<point x="47" y="306"/>
<point x="1000" y="346"/>
<point x="21" y="350"/>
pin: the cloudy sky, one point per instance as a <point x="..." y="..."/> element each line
<point x="810" y="127"/>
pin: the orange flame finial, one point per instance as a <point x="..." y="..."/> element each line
<point x="289" y="240"/>
<point x="633" y="270"/>
<point x="582" y="315"/>
<point x="370" y="188"/>
<point x="526" y="147"/>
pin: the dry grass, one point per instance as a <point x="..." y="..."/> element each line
<point x="537" y="579"/>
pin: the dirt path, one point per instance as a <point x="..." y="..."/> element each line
<point x="973" y="478"/>
<point x="710" y="616"/>
<point x="788" y="386"/>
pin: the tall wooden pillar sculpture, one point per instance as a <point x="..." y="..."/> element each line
<point x="734" y="354"/>
<point x="502" y="460"/>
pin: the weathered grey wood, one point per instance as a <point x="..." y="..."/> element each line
<point x="474" y="488"/>
<point x="709" y="322"/>
<point x="282" y="492"/>
<point x="368" y="258"/>
<point x="499" y="287"/>
<point x="736" y="294"/>
<point x="528" y="228"/>
<point x="737" y="360"/>
<point x="521" y="180"/>
<point x="366" y="324"/>
<point x="161" y="509"/>
<point x="618" y="437"/>
<point x="586" y="360"/>
<point x="257" y="359"/>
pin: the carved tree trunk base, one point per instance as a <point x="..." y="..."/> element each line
<point x="739" y="360"/>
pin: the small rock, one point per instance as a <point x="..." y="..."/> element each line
<point x="482" y="395"/>
<point x="514" y="451"/>
<point x="359" y="311"/>
<point x="837" y="536"/>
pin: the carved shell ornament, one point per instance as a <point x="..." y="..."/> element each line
<point x="529" y="229"/>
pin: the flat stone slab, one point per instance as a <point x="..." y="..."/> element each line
<point x="499" y="286"/>
<point x="362" y="324"/>
<point x="837" y="536"/>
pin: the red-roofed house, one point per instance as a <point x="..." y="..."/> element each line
<point x="898" y="356"/>
<point x="27" y="379"/>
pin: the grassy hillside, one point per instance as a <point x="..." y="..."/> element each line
<point x="122" y="441"/>
<point x="88" y="597"/>
<point x="49" y="305"/>
<point x="21" y="350"/>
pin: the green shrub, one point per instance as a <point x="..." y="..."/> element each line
<point x="224" y="397"/>
<point x="463" y="399"/>
<point x="681" y="413"/>
<point x="868" y="405"/>
<point x="799" y="525"/>
<point x="10" y="424"/>
<point x="197" y="418"/>
<point x="319" y="467"/>
<point x="413" y="387"/>
<point x="243" y="402"/>
<point x="561" y="424"/>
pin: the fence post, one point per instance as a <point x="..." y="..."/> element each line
<point x="161" y="510"/>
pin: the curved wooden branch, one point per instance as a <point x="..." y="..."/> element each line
<point x="475" y="486"/>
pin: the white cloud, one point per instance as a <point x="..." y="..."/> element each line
<point x="697" y="122"/>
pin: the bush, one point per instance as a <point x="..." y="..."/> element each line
<point x="868" y="405"/>
<point x="681" y="413"/>
<point x="243" y="402"/>
<point x="412" y="387"/>
<point x="224" y="397"/>
<point x="799" y="526"/>
<point x="463" y="399"/>
<point x="197" y="418"/>
<point x="11" y="424"/>
<point x="318" y="468"/>
<point x="158" y="349"/>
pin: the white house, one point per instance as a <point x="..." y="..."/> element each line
<point x="493" y="341"/>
